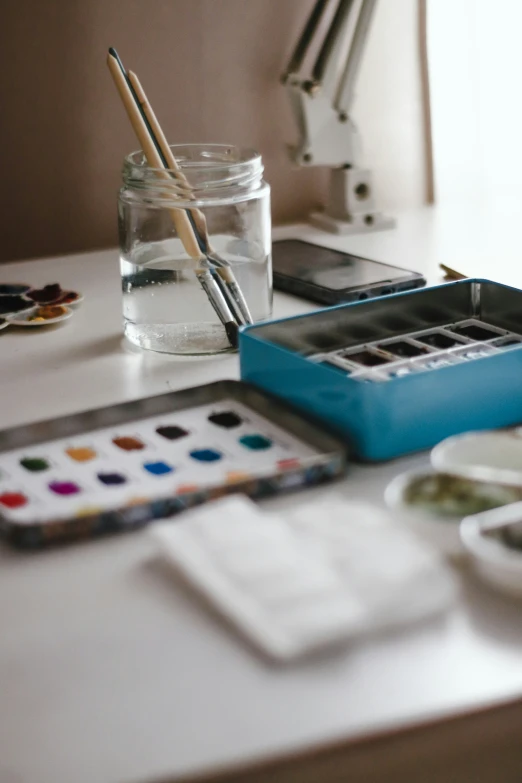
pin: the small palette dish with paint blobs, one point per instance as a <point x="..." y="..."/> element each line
<point x="434" y="503"/>
<point x="22" y="305"/>
<point x="54" y="294"/>
<point x="121" y="467"/>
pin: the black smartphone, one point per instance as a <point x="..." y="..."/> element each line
<point x="332" y="277"/>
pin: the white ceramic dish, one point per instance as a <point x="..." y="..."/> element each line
<point x="442" y="501"/>
<point x="440" y="531"/>
<point x="495" y="562"/>
<point x="4" y="323"/>
<point x="494" y="456"/>
<point x="25" y="320"/>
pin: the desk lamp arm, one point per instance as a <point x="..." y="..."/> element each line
<point x="321" y="103"/>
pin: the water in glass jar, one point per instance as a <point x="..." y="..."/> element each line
<point x="165" y="308"/>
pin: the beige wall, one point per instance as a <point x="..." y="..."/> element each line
<point x="211" y="69"/>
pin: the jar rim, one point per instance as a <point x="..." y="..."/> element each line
<point x="215" y="157"/>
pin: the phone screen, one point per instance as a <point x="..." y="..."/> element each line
<point x="329" y="268"/>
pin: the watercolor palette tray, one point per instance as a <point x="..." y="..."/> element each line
<point x="400" y="373"/>
<point x="120" y="467"/>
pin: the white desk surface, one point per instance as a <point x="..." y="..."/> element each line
<point x="111" y="674"/>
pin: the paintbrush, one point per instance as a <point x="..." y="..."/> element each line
<point x="181" y="218"/>
<point x="199" y="224"/>
<point x="229" y="287"/>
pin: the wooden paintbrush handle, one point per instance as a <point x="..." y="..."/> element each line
<point x="179" y="216"/>
<point x="197" y="215"/>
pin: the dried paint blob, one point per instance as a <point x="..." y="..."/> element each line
<point x="13" y="304"/>
<point x="34" y="464"/>
<point x="47" y="294"/>
<point x="111" y="479"/>
<point x="171" y="432"/>
<point x="158" y="468"/>
<point x="13" y="499"/>
<point x="128" y="443"/>
<point x="206" y="455"/>
<point x="64" y="487"/>
<point x="226" y="419"/>
<point x="81" y="453"/>
<point x="255" y="442"/>
<point x="49" y="313"/>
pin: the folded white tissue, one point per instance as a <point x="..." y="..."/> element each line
<point x="313" y="576"/>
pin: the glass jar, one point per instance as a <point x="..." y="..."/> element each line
<point x="177" y="273"/>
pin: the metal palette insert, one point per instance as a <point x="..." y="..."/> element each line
<point x="422" y="351"/>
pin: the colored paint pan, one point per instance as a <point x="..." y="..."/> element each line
<point x="128" y="443"/>
<point x="112" y="479"/>
<point x="64" y="488"/>
<point x="81" y="454"/>
<point x="438" y="339"/>
<point x="158" y="468"/>
<point x="368" y="358"/>
<point x="255" y="442"/>
<point x="13" y="500"/>
<point x="34" y="464"/>
<point x="172" y="432"/>
<point x="478" y="332"/>
<point x="404" y="349"/>
<point x="206" y="455"/>
<point x="226" y="419"/>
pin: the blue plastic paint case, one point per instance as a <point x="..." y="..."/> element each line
<point x="400" y="373"/>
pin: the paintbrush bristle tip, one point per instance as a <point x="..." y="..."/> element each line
<point x="113" y="52"/>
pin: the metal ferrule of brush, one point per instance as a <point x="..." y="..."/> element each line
<point x="228" y="285"/>
<point x="208" y="280"/>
